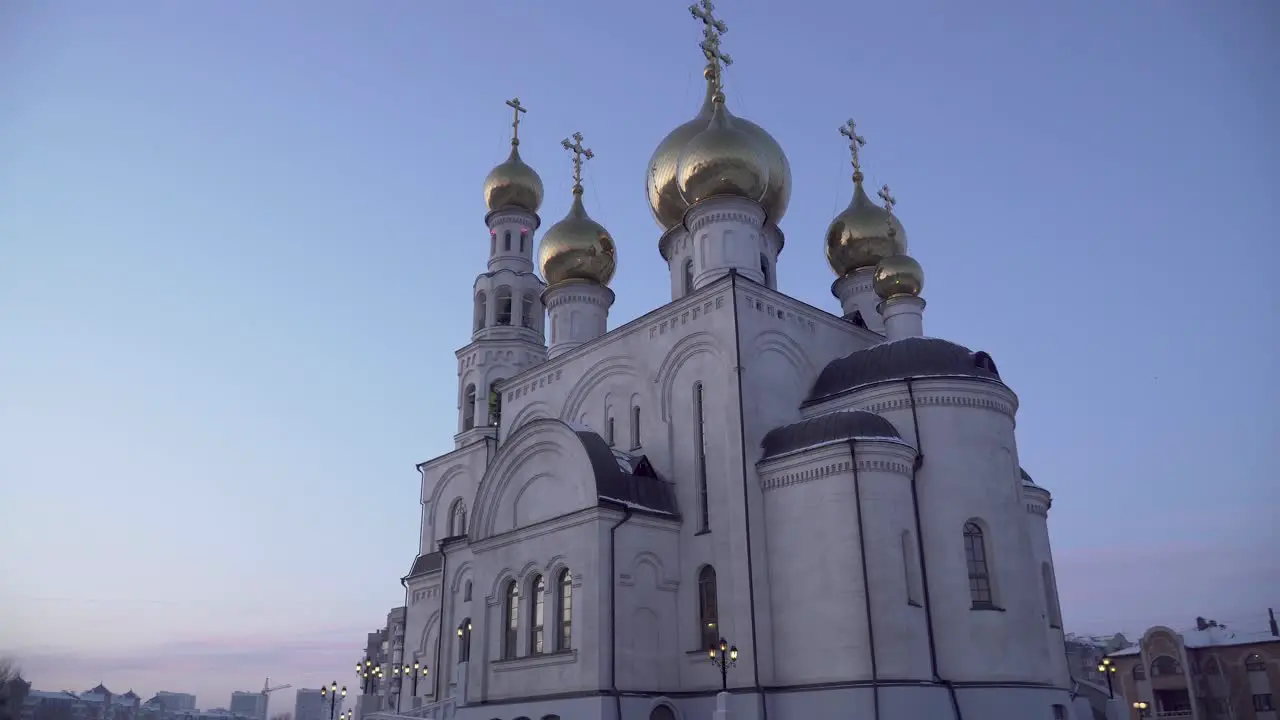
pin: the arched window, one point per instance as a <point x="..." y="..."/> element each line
<point x="523" y="233"/>
<point x="1255" y="663"/>
<point x="700" y="458"/>
<point x="466" y="592"/>
<point x="764" y="269"/>
<point x="526" y="311"/>
<point x="688" y="276"/>
<point x="510" y="620"/>
<point x="635" y="427"/>
<point x="495" y="403"/>
<point x="610" y="431"/>
<point x="662" y="712"/>
<point x="975" y="552"/>
<point x="1165" y="665"/>
<point x="493" y="242"/>
<point x="464" y="641"/>
<point x="1050" y="596"/>
<point x="482" y="309"/>
<point x="506" y="241"/>
<point x="458" y="518"/>
<point x="910" y="568"/>
<point x="503" y="298"/>
<point x="469" y="408"/>
<point x="537" y="616"/>
<point x="1139" y="672"/>
<point x="564" y="610"/>
<point x="708" y="610"/>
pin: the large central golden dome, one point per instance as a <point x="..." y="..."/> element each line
<point x="722" y="160"/>
<point x="663" y="183"/>
<point x="577" y="248"/>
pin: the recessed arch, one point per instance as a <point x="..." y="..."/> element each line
<point x="681" y="353"/>
<point x="595" y="377"/>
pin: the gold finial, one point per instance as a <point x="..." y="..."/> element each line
<point x="579" y="153"/>
<point x="889" y="202"/>
<point x="712" y="29"/>
<point x="516" y="109"/>
<point x="856" y="142"/>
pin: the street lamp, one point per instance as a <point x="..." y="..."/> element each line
<point x="415" y="671"/>
<point x="723" y="657"/>
<point x="1141" y="707"/>
<point x="370" y="674"/>
<point x="1106" y="667"/>
<point x="346" y="715"/>
<point x="332" y="693"/>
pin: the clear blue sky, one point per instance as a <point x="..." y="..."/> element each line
<point x="237" y="242"/>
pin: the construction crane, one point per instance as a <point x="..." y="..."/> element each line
<point x="266" y="694"/>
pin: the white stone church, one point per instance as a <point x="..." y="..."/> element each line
<point x="835" y="494"/>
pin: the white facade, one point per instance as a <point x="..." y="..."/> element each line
<point x="841" y="499"/>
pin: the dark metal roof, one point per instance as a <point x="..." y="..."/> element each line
<point x="626" y="478"/>
<point x="832" y="427"/>
<point x="1025" y="477"/>
<point x="425" y="564"/>
<point x="909" y="357"/>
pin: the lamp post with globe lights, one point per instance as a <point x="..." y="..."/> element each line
<point x="414" y="671"/>
<point x="1108" y="668"/>
<point x="723" y="656"/>
<point x="370" y="675"/>
<point x="332" y="693"/>
<point x="1142" y="708"/>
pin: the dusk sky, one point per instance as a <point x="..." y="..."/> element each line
<point x="238" y="240"/>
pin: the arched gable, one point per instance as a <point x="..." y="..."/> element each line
<point x="542" y="471"/>
<point x="455" y="482"/>
<point x="533" y="411"/>
<point x="686" y="349"/>
<point x="597" y="375"/>
<point x="787" y="347"/>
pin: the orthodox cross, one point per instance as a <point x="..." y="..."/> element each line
<point x="579" y="153"/>
<point x="889" y="202"/>
<point x="856" y="142"/>
<point x="516" y="109"/>
<point x="712" y="29"/>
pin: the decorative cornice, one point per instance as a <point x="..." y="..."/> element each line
<point x="578" y="293"/>
<point x="512" y="215"/>
<point x="701" y="220"/>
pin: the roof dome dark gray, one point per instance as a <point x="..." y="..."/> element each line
<point x="909" y="357"/>
<point x="832" y="427"/>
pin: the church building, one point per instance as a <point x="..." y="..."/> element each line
<point x="822" y="512"/>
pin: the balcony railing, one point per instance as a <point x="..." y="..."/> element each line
<point x="1173" y="713"/>
<point x="443" y="710"/>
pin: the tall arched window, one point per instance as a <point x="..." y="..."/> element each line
<point x="458" y="518"/>
<point x="564" y="610"/>
<point x="1050" y="597"/>
<point x="523" y="234"/>
<point x="506" y="241"/>
<point x="503" y="299"/>
<point x="469" y="407"/>
<point x="1139" y="672"/>
<point x="708" y="609"/>
<point x="537" y="616"/>
<point x="1255" y="663"/>
<point x="464" y="641"/>
<point x="466" y="592"/>
<point x="975" y="552"/>
<point x="700" y="458"/>
<point x="635" y="427"/>
<point x="764" y="269"/>
<point x="1165" y="666"/>
<point x="495" y="403"/>
<point x="910" y="568"/>
<point x="526" y="311"/>
<point x="493" y="242"/>
<point x="482" y="309"/>
<point x="510" y="620"/>
<point x="610" y="430"/>
<point x="688" y="276"/>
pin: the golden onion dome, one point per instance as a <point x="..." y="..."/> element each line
<point x="513" y="184"/>
<point x="662" y="183"/>
<point x="898" y="275"/>
<point x="859" y="236"/>
<point x="722" y="160"/>
<point x="577" y="248"/>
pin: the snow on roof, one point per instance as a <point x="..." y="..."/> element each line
<point x="1210" y="637"/>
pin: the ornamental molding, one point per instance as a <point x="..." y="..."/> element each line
<point x="744" y="217"/>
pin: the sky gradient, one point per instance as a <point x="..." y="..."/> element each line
<point x="237" y="244"/>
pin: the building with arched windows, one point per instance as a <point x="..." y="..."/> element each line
<point x="833" y="492"/>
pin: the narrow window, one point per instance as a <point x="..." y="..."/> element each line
<point x="464" y="641"/>
<point x="635" y="427"/>
<point x="1059" y="712"/>
<point x="1262" y="702"/>
<point x="522" y="236"/>
<point x="610" y="432"/>
<point x="564" y="610"/>
<point x="1139" y="672"/>
<point x="688" y="276"/>
<point x="975" y="551"/>
<point x="909" y="568"/>
<point x="458" y="519"/>
<point x="1050" y="599"/>
<point x="506" y="241"/>
<point x="482" y="308"/>
<point x="700" y="458"/>
<point x="537" y="602"/>
<point x="511" y="620"/>
<point x="764" y="269"/>
<point x="469" y="408"/>
<point x="495" y="403"/>
<point x="526" y="311"/>
<point x="466" y="592"/>
<point x="708" y="615"/>
<point x="493" y="242"/>
<point x="504" y="305"/>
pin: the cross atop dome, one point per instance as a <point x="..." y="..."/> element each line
<point x="856" y="142"/>
<point x="516" y="110"/>
<point x="579" y="153"/>
<point x="712" y="29"/>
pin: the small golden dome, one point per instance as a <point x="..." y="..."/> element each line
<point x="662" y="183"/>
<point x="577" y="248"/>
<point x="859" y="236"/>
<point x="513" y="184"/>
<point x="722" y="160"/>
<point x="898" y="275"/>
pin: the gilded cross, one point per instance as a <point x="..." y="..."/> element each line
<point x="516" y="109"/>
<point x="889" y="202"/>
<point x="579" y="153"/>
<point x="856" y="142"/>
<point x="712" y="29"/>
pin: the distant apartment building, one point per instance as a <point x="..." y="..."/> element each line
<point x="174" y="701"/>
<point x="311" y="704"/>
<point x="1210" y="673"/>
<point x="249" y="704"/>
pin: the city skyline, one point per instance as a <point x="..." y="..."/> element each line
<point x="235" y="338"/>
